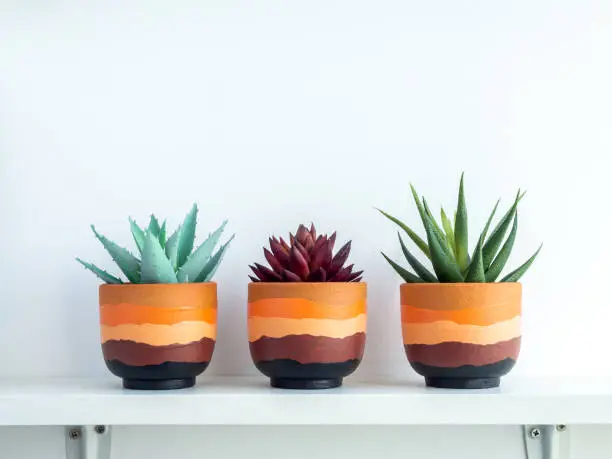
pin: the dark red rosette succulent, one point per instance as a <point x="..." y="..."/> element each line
<point x="307" y="258"/>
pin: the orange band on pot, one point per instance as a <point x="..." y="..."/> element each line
<point x="273" y="327"/>
<point x="159" y="335"/>
<point x="452" y="297"/>
<point x="474" y="316"/>
<point x="300" y="308"/>
<point x="444" y="331"/>
<point x="126" y="313"/>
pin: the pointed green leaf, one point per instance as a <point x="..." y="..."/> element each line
<point x="139" y="236"/>
<point x="486" y="228"/>
<point x="128" y="263"/>
<point x="502" y="257"/>
<point x="515" y="275"/>
<point x="172" y="247"/>
<point x="448" y="230"/>
<point x="421" y="244"/>
<point x="445" y="266"/>
<point x="461" y="229"/>
<point x="106" y="277"/>
<point x="213" y="264"/>
<point x="440" y="236"/>
<point x="404" y="274"/>
<point x="156" y="268"/>
<point x="197" y="260"/>
<point x="475" y="272"/>
<point x="154" y="226"/>
<point x="187" y="235"/>
<point x="162" y="235"/>
<point x="421" y="270"/>
<point x="490" y="248"/>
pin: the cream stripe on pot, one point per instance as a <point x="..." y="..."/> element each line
<point x="274" y="327"/>
<point x="446" y="330"/>
<point x="160" y="335"/>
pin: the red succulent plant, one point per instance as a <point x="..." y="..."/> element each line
<point x="307" y="258"/>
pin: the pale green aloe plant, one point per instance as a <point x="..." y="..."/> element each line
<point x="164" y="260"/>
<point x="446" y="246"/>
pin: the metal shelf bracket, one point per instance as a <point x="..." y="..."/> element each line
<point x="546" y="441"/>
<point x="88" y="442"/>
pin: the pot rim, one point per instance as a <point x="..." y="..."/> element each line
<point x="153" y="286"/>
<point x="457" y="284"/>
<point x="306" y="283"/>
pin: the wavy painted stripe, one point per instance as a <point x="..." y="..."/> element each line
<point x="300" y="308"/>
<point x="453" y="354"/>
<point x="331" y="293"/>
<point x="139" y="354"/>
<point x="472" y="316"/>
<point x="444" y="330"/>
<point x="454" y="297"/>
<point x="308" y="348"/>
<point x="126" y="313"/>
<point x="273" y="327"/>
<point x="195" y="295"/>
<point x="159" y="335"/>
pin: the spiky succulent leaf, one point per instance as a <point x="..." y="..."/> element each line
<point x="421" y="270"/>
<point x="439" y="234"/>
<point x="461" y="229"/>
<point x="156" y="268"/>
<point x="103" y="275"/>
<point x="162" y="235"/>
<point x="154" y="226"/>
<point x="213" y="264"/>
<point x="404" y="273"/>
<point x="445" y="266"/>
<point x="171" y="248"/>
<point x="138" y="234"/>
<point x="339" y="259"/>
<point x="490" y="219"/>
<point x="515" y="275"/>
<point x="448" y="230"/>
<point x="421" y="244"/>
<point x="475" y="272"/>
<point x="187" y="235"/>
<point x="502" y="257"/>
<point x="490" y="248"/>
<point x="197" y="260"/>
<point x="128" y="263"/>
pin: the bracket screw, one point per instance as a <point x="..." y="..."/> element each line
<point x="100" y="429"/>
<point x="74" y="434"/>
<point x="561" y="428"/>
<point x="535" y="433"/>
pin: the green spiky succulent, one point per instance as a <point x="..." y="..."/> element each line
<point x="164" y="260"/>
<point x="446" y="246"/>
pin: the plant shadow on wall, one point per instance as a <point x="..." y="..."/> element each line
<point x="159" y="328"/>
<point x="461" y="327"/>
<point x="307" y="312"/>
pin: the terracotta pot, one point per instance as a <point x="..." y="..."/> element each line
<point x="463" y="336"/>
<point x="158" y="336"/>
<point x="307" y="335"/>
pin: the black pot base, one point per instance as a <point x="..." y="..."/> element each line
<point x="462" y="383"/>
<point x="166" y="376"/>
<point x="305" y="384"/>
<point x="158" y="384"/>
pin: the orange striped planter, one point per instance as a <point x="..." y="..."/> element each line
<point x="462" y="336"/>
<point x="158" y="336"/>
<point x="307" y="335"/>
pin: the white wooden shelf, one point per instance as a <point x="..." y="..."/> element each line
<point x="250" y="401"/>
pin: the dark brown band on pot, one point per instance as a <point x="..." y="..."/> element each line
<point x="139" y="354"/>
<point x="454" y="354"/>
<point x="308" y="348"/>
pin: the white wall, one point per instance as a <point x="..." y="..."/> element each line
<point x="272" y="113"/>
